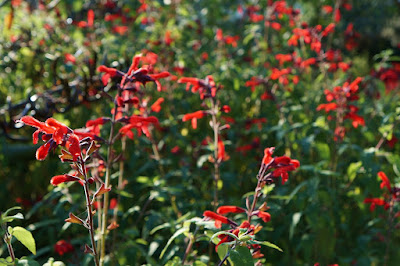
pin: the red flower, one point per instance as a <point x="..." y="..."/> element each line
<point x="140" y="123"/>
<point x="59" y="179"/>
<point x="253" y="83"/>
<point x="156" y="107"/>
<point x="376" y="201"/>
<point x="221" y="151"/>
<point x="70" y="58"/>
<point x="90" y="18"/>
<point x="327" y="9"/>
<point x="329" y="29"/>
<point x="230" y="209"/>
<point x="282" y="164"/>
<point x="193" y="116"/>
<point x="55" y="133"/>
<point x="385" y="181"/>
<point x="219" y="219"/>
<point x="62" y="247"/>
<point x="121" y="30"/>
<point x="265" y="216"/>
<point x="268" y="155"/>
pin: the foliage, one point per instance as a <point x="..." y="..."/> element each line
<point x="317" y="80"/>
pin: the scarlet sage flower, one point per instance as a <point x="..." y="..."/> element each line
<point x="137" y="122"/>
<point x="385" y="181"/>
<point x="193" y="117"/>
<point x="281" y="165"/>
<point x="327" y="9"/>
<point x="69" y="58"/>
<point x="59" y="179"/>
<point x="62" y="247"/>
<point x="230" y="209"/>
<point x="222" y="156"/>
<point x="376" y="201"/>
<point x="156" y="106"/>
<point x="54" y="133"/>
<point x="134" y="75"/>
<point x="329" y="29"/>
<point x="253" y="82"/>
<point x="219" y="219"/>
<point x="265" y="216"/>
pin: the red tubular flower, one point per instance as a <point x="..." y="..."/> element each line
<point x="90" y="18"/>
<point x="338" y="16"/>
<point x="327" y="9"/>
<point x="376" y="201"/>
<point x="329" y="29"/>
<point x="42" y="151"/>
<point x="62" y="247"/>
<point x="55" y="133"/>
<point x="219" y="219"/>
<point x="70" y="58"/>
<point x="97" y="121"/>
<point x="195" y="82"/>
<point x="59" y="179"/>
<point x="385" y="181"/>
<point x="252" y="83"/>
<point x="221" y="151"/>
<point x="230" y="209"/>
<point x="156" y="107"/>
<point x="226" y="108"/>
<point x="327" y="107"/>
<point x="357" y="120"/>
<point x="268" y="155"/>
<point x="121" y="30"/>
<point x="193" y="116"/>
<point x="265" y="216"/>
<point x="159" y="76"/>
<point x="138" y="122"/>
<point x="73" y="146"/>
<point x="111" y="71"/>
<point x="29" y="120"/>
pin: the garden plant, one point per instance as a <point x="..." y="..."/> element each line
<point x="173" y="132"/>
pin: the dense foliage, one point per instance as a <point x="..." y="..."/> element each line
<point x="234" y="132"/>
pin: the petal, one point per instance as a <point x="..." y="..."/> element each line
<point x="59" y="179"/>
<point x="42" y="152"/>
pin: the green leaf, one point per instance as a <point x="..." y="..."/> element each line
<point x="25" y="237"/>
<point x="352" y="170"/>
<point x="295" y="220"/>
<point x="268" y="244"/>
<point x="11" y="209"/>
<point x="241" y="256"/>
<point x="175" y="235"/>
<point x="9" y="219"/>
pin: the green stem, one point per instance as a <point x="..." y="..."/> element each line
<point x="103" y="232"/>
<point x="215" y="125"/>
<point x="90" y="213"/>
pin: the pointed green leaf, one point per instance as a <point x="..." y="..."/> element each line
<point x="25" y="237"/>
<point x="11" y="209"/>
<point x="241" y="256"/>
<point x="175" y="235"/>
<point x="268" y="244"/>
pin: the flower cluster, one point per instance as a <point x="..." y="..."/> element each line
<point x="271" y="168"/>
<point x="338" y="101"/>
<point x="392" y="195"/>
<point x="62" y="247"/>
<point x="54" y="133"/>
